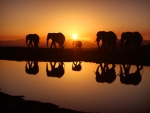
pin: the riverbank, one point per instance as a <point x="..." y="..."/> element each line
<point x="16" y="104"/>
<point x="69" y="55"/>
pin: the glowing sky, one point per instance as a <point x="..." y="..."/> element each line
<point x="83" y="17"/>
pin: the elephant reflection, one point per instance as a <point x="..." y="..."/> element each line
<point x="109" y="39"/>
<point x="128" y="38"/>
<point x="32" y="67"/>
<point x="107" y="74"/>
<point x="130" y="78"/>
<point x="32" y="39"/>
<point x="76" y="66"/>
<point x="77" y="45"/>
<point x="56" y="38"/>
<point x="55" y="71"/>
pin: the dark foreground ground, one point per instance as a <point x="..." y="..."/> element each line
<point x="70" y="55"/>
<point x="16" y="104"/>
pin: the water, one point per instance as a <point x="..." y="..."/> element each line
<point x="77" y="90"/>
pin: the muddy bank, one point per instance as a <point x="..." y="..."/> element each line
<point x="16" y="104"/>
<point x="69" y="55"/>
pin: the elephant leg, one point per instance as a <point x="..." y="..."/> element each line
<point x="30" y="43"/>
<point x="51" y="44"/>
<point x="52" y="66"/>
<point x="106" y="46"/>
<point x="126" y="47"/>
<point x="114" y="48"/>
<point x="80" y="48"/>
<point x="103" y="45"/>
<point x="55" y="45"/>
<point x="138" y="47"/>
<point x="34" y="45"/>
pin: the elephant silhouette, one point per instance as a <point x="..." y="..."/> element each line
<point x="32" y="67"/>
<point x="55" y="71"/>
<point x="32" y="40"/>
<point x="77" y="45"/>
<point x="109" y="39"/>
<point x="76" y="66"/>
<point x="128" y="38"/>
<point x="107" y="74"/>
<point x="56" y="38"/>
<point x="130" y="78"/>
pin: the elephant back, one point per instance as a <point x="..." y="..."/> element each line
<point x="131" y="37"/>
<point x="110" y="37"/>
<point x="107" y="37"/>
<point x="137" y="37"/>
<point x="56" y="38"/>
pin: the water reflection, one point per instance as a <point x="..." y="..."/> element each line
<point x="106" y="74"/>
<point x="32" y="67"/>
<point x="55" y="71"/>
<point x="76" y="66"/>
<point x="130" y="78"/>
<point x="80" y="89"/>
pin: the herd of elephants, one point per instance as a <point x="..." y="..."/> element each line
<point x="104" y="73"/>
<point x="108" y="39"/>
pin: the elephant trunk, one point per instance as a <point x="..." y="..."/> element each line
<point x="98" y="44"/>
<point x="47" y="42"/>
<point x="97" y="72"/>
<point x="47" y="67"/>
<point x="27" y="42"/>
<point x="121" y="73"/>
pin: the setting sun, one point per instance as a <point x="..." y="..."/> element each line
<point x="74" y="36"/>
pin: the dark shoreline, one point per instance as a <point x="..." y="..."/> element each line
<point x="17" y="104"/>
<point x="68" y="55"/>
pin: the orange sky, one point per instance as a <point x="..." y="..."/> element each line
<point x="83" y="17"/>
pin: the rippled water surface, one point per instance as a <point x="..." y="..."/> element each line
<point x="80" y="87"/>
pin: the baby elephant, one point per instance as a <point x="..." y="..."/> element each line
<point x="77" y="45"/>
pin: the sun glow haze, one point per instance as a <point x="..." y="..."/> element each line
<point x="74" y="36"/>
<point x="21" y="17"/>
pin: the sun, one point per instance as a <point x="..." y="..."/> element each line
<point x="74" y="36"/>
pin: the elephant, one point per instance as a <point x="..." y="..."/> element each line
<point x="55" y="71"/>
<point x="76" y="66"/>
<point x="128" y="38"/>
<point x="77" y="45"/>
<point x="107" y="74"/>
<point x="32" y="38"/>
<point x="130" y="78"/>
<point x="109" y="39"/>
<point x="32" y="67"/>
<point x="56" y="38"/>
